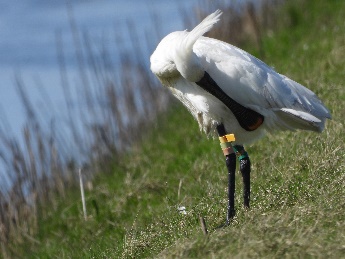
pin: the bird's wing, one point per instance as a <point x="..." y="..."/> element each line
<point x="254" y="84"/>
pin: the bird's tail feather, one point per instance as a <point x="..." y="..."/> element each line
<point x="300" y="120"/>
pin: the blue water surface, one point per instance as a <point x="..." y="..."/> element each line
<point x="28" y="41"/>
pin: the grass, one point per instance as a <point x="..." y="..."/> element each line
<point x="298" y="184"/>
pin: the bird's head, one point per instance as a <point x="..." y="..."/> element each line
<point x="174" y="56"/>
<point x="163" y="63"/>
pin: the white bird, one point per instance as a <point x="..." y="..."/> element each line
<point x="225" y="87"/>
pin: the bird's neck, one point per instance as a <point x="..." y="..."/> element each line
<point x="189" y="66"/>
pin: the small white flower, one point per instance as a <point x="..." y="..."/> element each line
<point x="182" y="210"/>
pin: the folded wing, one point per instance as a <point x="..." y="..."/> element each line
<point x="285" y="103"/>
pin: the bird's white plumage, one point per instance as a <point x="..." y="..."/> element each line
<point x="182" y="58"/>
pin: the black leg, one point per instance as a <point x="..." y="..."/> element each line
<point x="245" y="171"/>
<point x="230" y="160"/>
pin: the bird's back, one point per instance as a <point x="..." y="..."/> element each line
<point x="285" y="103"/>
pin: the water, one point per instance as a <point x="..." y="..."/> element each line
<point x="28" y="50"/>
<point x="28" y="32"/>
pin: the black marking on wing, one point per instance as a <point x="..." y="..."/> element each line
<point x="248" y="119"/>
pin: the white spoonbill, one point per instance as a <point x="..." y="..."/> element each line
<point x="227" y="90"/>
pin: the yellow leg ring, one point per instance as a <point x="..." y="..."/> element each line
<point x="225" y="143"/>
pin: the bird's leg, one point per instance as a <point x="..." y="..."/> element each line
<point x="230" y="160"/>
<point x="245" y="171"/>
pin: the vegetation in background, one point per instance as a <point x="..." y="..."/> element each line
<point x="42" y="167"/>
<point x="132" y="205"/>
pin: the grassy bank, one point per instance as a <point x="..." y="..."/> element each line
<point x="297" y="178"/>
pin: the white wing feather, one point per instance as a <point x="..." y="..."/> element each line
<point x="182" y="58"/>
<point x="255" y="85"/>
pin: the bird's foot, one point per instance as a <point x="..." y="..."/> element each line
<point x="227" y="223"/>
<point x="229" y="218"/>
